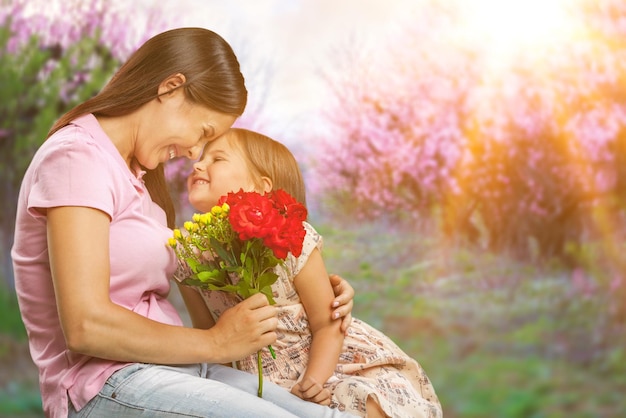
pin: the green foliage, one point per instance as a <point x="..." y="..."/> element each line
<point x="39" y="85"/>
<point x="497" y="337"/>
<point x="487" y="385"/>
<point x="18" y="400"/>
<point x="10" y="319"/>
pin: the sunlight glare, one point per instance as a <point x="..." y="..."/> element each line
<point x="506" y="26"/>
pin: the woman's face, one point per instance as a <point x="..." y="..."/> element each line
<point x="222" y="169"/>
<point x="178" y="128"/>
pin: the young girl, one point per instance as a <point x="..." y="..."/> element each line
<point x="362" y="372"/>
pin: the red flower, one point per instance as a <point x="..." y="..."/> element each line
<point x="288" y="206"/>
<point x="253" y="215"/>
<point x="275" y="218"/>
<point x="288" y="239"/>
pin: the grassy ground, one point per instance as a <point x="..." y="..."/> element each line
<point x="497" y="338"/>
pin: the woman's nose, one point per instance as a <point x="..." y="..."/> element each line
<point x="194" y="152"/>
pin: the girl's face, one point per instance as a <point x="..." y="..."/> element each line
<point x="178" y="128"/>
<point x="222" y="169"/>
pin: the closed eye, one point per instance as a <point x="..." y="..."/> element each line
<point x="212" y="155"/>
<point x="213" y="158"/>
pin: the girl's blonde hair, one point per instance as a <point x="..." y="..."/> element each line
<point x="269" y="158"/>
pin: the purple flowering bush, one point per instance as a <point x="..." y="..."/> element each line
<point x="53" y="55"/>
<point x="528" y="159"/>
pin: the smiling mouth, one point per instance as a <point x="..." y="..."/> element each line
<point x="172" y="154"/>
<point x="200" y="182"/>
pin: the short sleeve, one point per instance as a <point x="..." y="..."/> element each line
<point x="73" y="171"/>
<point x="312" y="240"/>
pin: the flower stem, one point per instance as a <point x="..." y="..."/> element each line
<point x="259" y="365"/>
<point x="269" y="347"/>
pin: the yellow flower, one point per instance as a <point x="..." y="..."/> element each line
<point x="204" y="219"/>
<point x="220" y="212"/>
<point x="177" y="234"/>
<point x="172" y="242"/>
<point x="188" y="226"/>
<point x="216" y="210"/>
<point x="196" y="217"/>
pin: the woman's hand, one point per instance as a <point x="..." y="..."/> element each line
<point x="343" y="303"/>
<point x="246" y="327"/>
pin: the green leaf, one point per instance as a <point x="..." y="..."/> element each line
<point x="221" y="252"/>
<point x="243" y="274"/>
<point x="267" y="291"/>
<point x="244" y="290"/>
<point x="230" y="288"/>
<point x="253" y="291"/>
<point x="236" y="245"/>
<point x="189" y="281"/>
<point x="248" y="264"/>
<point x="193" y="264"/>
<point x="211" y="276"/>
<point x="267" y="279"/>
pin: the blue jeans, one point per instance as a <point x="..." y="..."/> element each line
<point x="148" y="390"/>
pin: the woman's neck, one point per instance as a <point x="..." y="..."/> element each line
<point x="122" y="131"/>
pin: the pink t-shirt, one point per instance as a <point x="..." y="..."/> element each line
<point x="80" y="166"/>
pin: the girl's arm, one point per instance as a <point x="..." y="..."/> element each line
<point x="196" y="306"/>
<point x="316" y="294"/>
<point x="95" y="326"/>
<point x="198" y="310"/>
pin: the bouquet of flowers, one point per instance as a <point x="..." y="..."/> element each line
<point x="238" y="244"/>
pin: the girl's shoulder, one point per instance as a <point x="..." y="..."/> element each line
<point x="312" y="236"/>
<point x="312" y="240"/>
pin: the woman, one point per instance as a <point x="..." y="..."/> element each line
<point x="91" y="270"/>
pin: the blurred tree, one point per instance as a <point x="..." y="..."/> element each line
<point x="516" y="156"/>
<point x="53" y="55"/>
<point x="395" y="122"/>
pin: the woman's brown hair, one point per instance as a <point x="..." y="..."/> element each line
<point x="267" y="157"/>
<point x="213" y="79"/>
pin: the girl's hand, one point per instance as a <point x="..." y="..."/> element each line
<point x="312" y="391"/>
<point x="343" y="303"/>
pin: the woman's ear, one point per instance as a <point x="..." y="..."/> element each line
<point x="266" y="184"/>
<point x="171" y="83"/>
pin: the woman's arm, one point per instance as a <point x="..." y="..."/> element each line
<point x="317" y="295"/>
<point x="343" y="301"/>
<point x="95" y="326"/>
